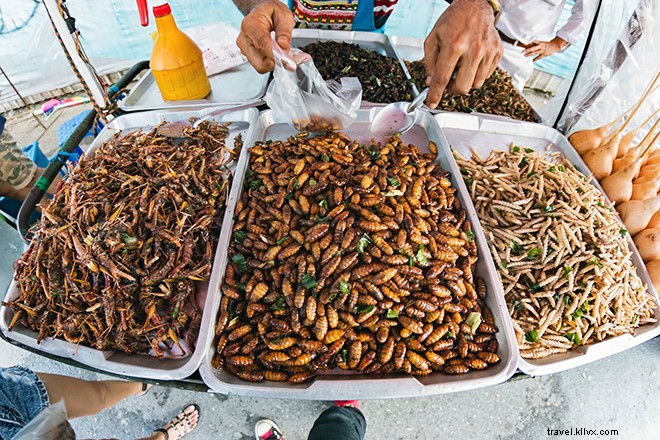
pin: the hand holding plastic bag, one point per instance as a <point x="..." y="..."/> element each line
<point x="299" y="95"/>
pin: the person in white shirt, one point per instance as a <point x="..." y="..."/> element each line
<point x="527" y="30"/>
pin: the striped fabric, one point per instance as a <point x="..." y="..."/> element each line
<point x="337" y="14"/>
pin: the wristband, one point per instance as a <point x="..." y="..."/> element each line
<point x="496" y="5"/>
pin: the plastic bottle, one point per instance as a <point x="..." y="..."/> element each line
<point x="176" y="61"/>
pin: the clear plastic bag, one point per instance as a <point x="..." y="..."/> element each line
<point x="49" y="424"/>
<point x="299" y="95"/>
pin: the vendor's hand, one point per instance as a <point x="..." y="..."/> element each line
<point x="542" y="49"/>
<point x="254" y="39"/>
<point x="463" y="38"/>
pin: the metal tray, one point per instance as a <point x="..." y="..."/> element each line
<point x="137" y="365"/>
<point x="343" y="386"/>
<point x="412" y="49"/>
<point x="240" y="85"/>
<point x="485" y="133"/>
<point x="408" y="48"/>
<point x="372" y="41"/>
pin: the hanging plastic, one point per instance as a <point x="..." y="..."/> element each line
<point x="621" y="62"/>
<point x="299" y="95"/>
<point x="49" y="424"/>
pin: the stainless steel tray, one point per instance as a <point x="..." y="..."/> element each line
<point x="372" y="41"/>
<point x="355" y="386"/>
<point x="138" y="365"/>
<point x="408" y="48"/>
<point x="240" y="85"/>
<point x="412" y="49"/>
<point x="485" y="133"/>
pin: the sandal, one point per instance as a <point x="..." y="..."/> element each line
<point x="181" y="425"/>
<point x="145" y="389"/>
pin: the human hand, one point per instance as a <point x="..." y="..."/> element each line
<point x="463" y="39"/>
<point x="542" y="49"/>
<point x="254" y="39"/>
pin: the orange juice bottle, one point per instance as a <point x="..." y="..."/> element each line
<point x="176" y="61"/>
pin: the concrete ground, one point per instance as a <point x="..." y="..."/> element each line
<point x="618" y="393"/>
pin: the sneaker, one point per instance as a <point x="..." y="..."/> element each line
<point x="267" y="430"/>
<point x="352" y="403"/>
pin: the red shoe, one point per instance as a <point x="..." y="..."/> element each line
<point x="351" y="403"/>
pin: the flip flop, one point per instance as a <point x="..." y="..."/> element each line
<point x="181" y="424"/>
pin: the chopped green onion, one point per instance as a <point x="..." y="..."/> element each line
<point x="514" y="247"/>
<point x="324" y="203"/>
<point x="296" y="184"/>
<point x="551" y="169"/>
<point x="312" y="182"/>
<point x="421" y="257"/>
<point x="473" y="320"/>
<point x="531" y="173"/>
<point x="567" y="270"/>
<point x="392" y="314"/>
<point x="532" y="336"/>
<point x="470" y="236"/>
<point x="325" y="158"/>
<point x="518" y="305"/>
<point x="240" y="262"/>
<point x="536" y="287"/>
<point x="596" y="262"/>
<point x="175" y="313"/>
<point x="516" y="149"/>
<point x="363" y="243"/>
<point x="548" y="208"/>
<point x="344" y="354"/>
<point x="308" y="281"/>
<point x="573" y="337"/>
<point x="128" y="239"/>
<point x="464" y="171"/>
<point x="534" y="253"/>
<point x="344" y="286"/>
<point x="279" y="304"/>
<point x="367" y="309"/>
<point x="281" y="240"/>
<point x="394" y="182"/>
<point x="566" y="300"/>
<point x="561" y="168"/>
<point x="623" y="232"/>
<point x="529" y="150"/>
<point x="255" y="184"/>
<point x="240" y="236"/>
<point x="505" y="265"/>
<point x="89" y="240"/>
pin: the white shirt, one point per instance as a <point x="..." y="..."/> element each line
<point x="529" y="20"/>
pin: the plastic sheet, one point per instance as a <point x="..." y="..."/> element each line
<point x="617" y="67"/>
<point x="299" y="95"/>
<point x="49" y="424"/>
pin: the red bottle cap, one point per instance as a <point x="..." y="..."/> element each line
<point x="162" y="10"/>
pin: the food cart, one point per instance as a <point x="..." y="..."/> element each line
<point x="451" y="132"/>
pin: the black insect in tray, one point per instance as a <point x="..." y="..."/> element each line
<point x="383" y="80"/>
